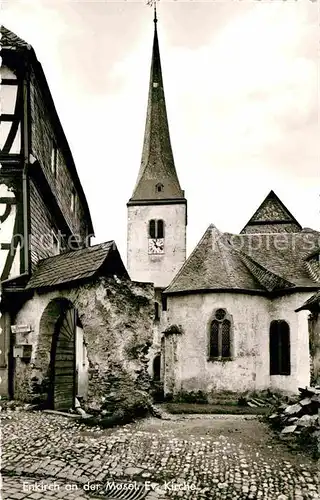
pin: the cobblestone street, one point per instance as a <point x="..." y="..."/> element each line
<point x="193" y="457"/>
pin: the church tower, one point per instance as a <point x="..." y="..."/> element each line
<point x="157" y="209"/>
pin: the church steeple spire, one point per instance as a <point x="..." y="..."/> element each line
<point x="157" y="178"/>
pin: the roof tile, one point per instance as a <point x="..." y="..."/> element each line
<point x="263" y="262"/>
<point x="70" y="266"/>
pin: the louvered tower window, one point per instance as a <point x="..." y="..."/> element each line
<point x="156" y="228"/>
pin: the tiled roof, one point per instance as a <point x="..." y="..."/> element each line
<point x="157" y="163"/>
<point x="261" y="262"/>
<point x="77" y="265"/>
<point x="214" y="265"/>
<point x="283" y="254"/>
<point x="11" y="40"/>
<point x="310" y="303"/>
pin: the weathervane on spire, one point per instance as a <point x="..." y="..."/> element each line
<point x="154" y="3"/>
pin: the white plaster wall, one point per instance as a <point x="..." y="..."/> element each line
<point x="158" y="269"/>
<point x="8" y="97"/>
<point x="31" y="314"/>
<point x="82" y="364"/>
<point x="6" y="233"/>
<point x="283" y="308"/>
<point x="250" y="367"/>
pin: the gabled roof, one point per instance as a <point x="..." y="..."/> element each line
<point x="248" y="262"/>
<point x="157" y="163"/>
<point x="272" y="216"/>
<point x="10" y="40"/>
<point x="98" y="260"/>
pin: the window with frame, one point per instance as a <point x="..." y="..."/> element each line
<point x="220" y="336"/>
<point x="156" y="229"/>
<point x="159" y="188"/>
<point x="279" y="346"/>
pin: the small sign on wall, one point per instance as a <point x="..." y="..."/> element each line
<point x="21" y="328"/>
<point x="22" y="351"/>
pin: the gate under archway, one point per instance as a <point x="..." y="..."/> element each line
<point x="62" y="382"/>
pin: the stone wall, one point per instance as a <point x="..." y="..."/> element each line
<point x="117" y="319"/>
<point x="186" y="353"/>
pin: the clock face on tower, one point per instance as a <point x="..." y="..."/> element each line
<point x="156" y="245"/>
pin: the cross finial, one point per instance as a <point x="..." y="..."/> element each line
<point x="155" y="20"/>
<point x="154" y="3"/>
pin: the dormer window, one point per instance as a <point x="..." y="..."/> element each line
<point x="54" y="160"/>
<point x="159" y="188"/>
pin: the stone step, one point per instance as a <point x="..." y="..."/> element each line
<point x="224" y="402"/>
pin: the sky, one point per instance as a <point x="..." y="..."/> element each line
<point x="241" y="80"/>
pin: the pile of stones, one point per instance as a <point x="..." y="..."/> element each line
<point x="299" y="421"/>
<point x="264" y="398"/>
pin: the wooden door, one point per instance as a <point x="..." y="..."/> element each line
<point x="63" y="362"/>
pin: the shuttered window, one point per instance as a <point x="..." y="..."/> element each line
<point x="156" y="228"/>
<point x="152" y="228"/>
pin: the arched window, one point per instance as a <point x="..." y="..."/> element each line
<point x="152" y="228"/>
<point x="159" y="188"/>
<point x="225" y="338"/>
<point x="279" y="347"/>
<point x="214" y="339"/>
<point x="220" y="336"/>
<point x="160" y="229"/>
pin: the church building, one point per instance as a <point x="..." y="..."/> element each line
<point x="229" y="317"/>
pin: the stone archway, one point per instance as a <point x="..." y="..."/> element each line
<point x="55" y="361"/>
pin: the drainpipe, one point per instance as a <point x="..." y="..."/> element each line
<point x="25" y="190"/>
<point x="25" y="209"/>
